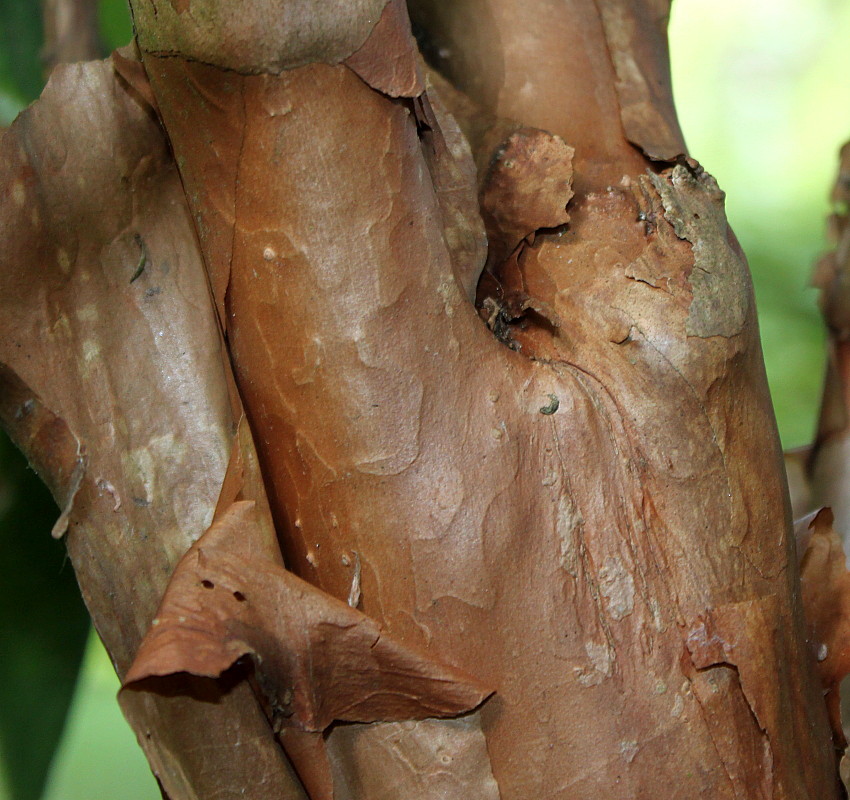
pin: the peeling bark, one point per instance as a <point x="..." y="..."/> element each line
<point x="591" y="522"/>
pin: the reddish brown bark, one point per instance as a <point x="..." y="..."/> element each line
<point x="584" y="513"/>
<point x="392" y="426"/>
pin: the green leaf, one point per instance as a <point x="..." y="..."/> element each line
<point x="116" y="27"/>
<point x="10" y="106"/>
<point x="99" y="756"/>
<point x="43" y="627"/>
<point x="21" y="38"/>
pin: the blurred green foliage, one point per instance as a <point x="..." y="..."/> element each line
<point x="116" y="28"/>
<point x="20" y="47"/>
<point x="43" y="627"/>
<point x="763" y="99"/>
<point x="98" y="758"/>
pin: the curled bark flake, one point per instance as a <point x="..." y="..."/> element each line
<point x="527" y="187"/>
<point x="316" y="659"/>
<point x="243" y="482"/>
<point x="637" y="43"/>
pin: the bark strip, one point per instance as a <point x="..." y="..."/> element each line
<point x="129" y="375"/>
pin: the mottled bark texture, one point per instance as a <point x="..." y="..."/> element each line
<point x="539" y="481"/>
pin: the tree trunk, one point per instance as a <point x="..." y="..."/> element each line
<point x="527" y="485"/>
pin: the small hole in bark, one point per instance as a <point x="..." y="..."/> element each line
<point x="553" y="405"/>
<point x="240" y="597"/>
<point x="207" y="584"/>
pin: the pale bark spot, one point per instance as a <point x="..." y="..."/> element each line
<point x="601" y="658"/>
<point x="91" y="350"/>
<point x="567" y="521"/>
<point x="63" y="260"/>
<point x="87" y="313"/>
<point x="618" y="588"/>
<point x="19" y="194"/>
<point x="628" y="750"/>
<point x="678" y="706"/>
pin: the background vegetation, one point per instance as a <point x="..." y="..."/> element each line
<point x="761" y="92"/>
